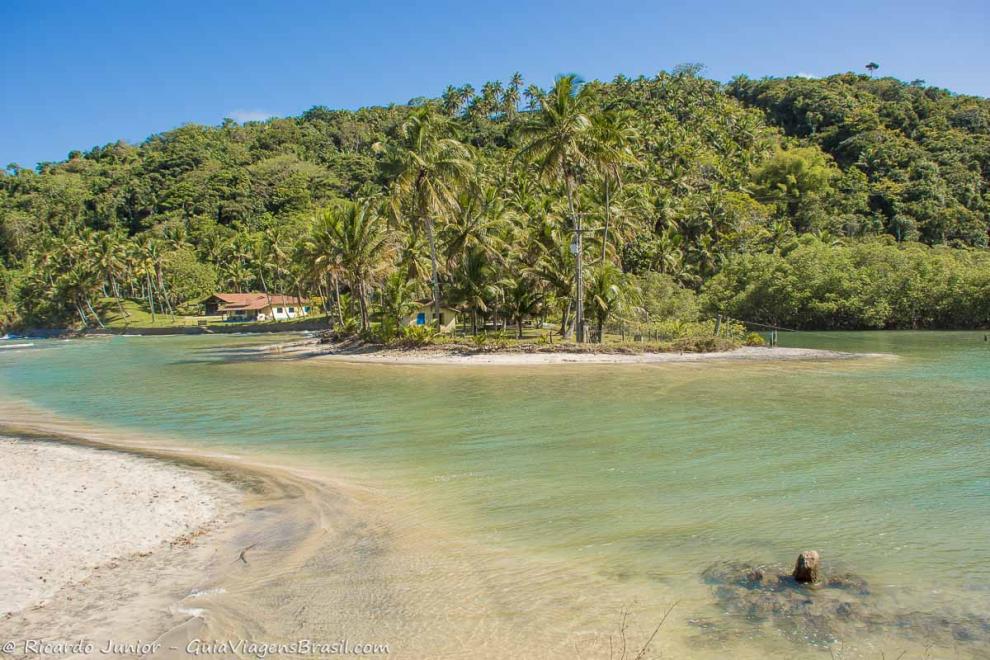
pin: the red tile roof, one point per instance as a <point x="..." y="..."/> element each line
<point x="234" y="302"/>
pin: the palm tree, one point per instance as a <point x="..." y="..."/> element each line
<point x="474" y="283"/>
<point x="555" y="268"/>
<point x="604" y="295"/>
<point x="360" y="243"/>
<point x="397" y="299"/>
<point x="319" y="251"/>
<point x="427" y="164"/>
<point x="475" y="223"/>
<point x="533" y="95"/>
<point x="275" y="241"/>
<point x="521" y="300"/>
<point x="557" y="141"/>
<point x="510" y="99"/>
<point x="613" y="137"/>
<point x="146" y="266"/>
<point x="108" y="255"/>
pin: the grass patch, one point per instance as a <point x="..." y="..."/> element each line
<point x="137" y="315"/>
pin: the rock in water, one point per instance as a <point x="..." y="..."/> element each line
<point x="807" y="568"/>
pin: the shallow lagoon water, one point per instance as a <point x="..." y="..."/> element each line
<point x="641" y="475"/>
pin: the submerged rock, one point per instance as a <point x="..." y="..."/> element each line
<point x="830" y="609"/>
<point x="807" y="568"/>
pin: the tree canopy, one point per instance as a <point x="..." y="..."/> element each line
<point x="473" y="198"/>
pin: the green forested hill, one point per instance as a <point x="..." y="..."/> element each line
<point x="702" y="187"/>
<point x="917" y="155"/>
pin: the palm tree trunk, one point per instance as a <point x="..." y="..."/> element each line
<point x="93" y="312"/>
<point x="564" y="318"/>
<point x="85" y="321"/>
<point x="151" y="300"/>
<point x="608" y="214"/>
<point x="161" y="287"/>
<point x="336" y="293"/>
<point x="116" y="294"/>
<point x="363" y="303"/>
<point x="578" y="264"/>
<point x="433" y="269"/>
<point x="268" y="296"/>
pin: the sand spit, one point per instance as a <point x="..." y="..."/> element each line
<point x="513" y="358"/>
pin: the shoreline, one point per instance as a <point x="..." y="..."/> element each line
<point x="307" y="555"/>
<point x="441" y="356"/>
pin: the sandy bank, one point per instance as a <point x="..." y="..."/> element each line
<point x="69" y="511"/>
<point x="512" y="358"/>
<point x="314" y="558"/>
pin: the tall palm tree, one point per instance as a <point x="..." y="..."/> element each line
<point x="361" y="244"/>
<point x="557" y="141"/>
<point x="474" y="283"/>
<point x="427" y="164"/>
<point x="613" y="137"/>
<point x="146" y="267"/>
<point x="555" y="268"/>
<point x="475" y="223"/>
<point x="512" y="95"/>
<point x="108" y="255"/>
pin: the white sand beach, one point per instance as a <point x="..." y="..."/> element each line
<point x="69" y="511"/>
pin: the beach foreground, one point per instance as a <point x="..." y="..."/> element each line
<point x="69" y="511"/>
<point x="103" y="545"/>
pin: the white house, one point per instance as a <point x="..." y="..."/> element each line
<point x="255" y="307"/>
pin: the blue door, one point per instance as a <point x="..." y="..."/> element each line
<point x="421" y="318"/>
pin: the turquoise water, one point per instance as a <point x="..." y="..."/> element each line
<point x="643" y="474"/>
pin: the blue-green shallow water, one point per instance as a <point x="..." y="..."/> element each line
<point x="644" y="473"/>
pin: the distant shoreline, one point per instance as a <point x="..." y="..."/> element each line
<point x="219" y="329"/>
<point x="438" y="355"/>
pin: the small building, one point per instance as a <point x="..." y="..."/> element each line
<point x="255" y="307"/>
<point x="424" y="314"/>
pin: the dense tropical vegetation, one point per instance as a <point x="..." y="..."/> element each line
<point x="844" y="202"/>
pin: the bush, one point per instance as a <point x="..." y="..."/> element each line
<point x="415" y="336"/>
<point x="491" y="340"/>
<point x="754" y="339"/>
<point x="661" y="297"/>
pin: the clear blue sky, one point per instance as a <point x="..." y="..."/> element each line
<point x="80" y="73"/>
